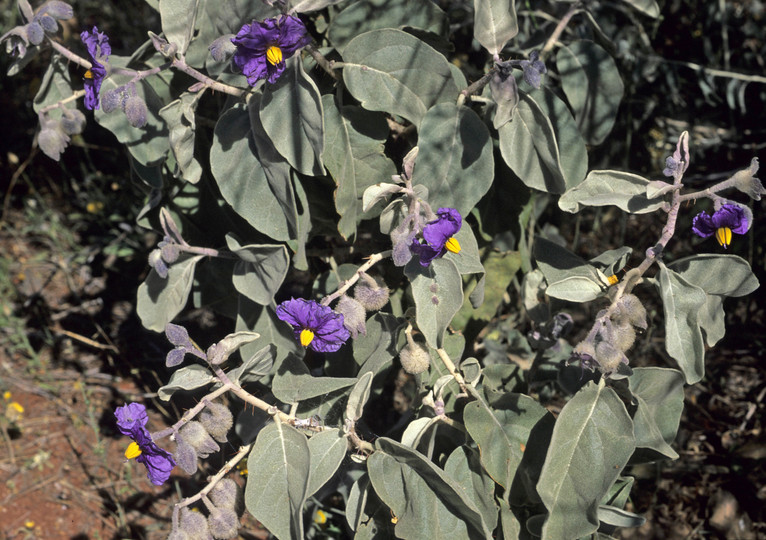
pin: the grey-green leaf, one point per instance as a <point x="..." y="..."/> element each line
<point x="726" y="275"/>
<point x="427" y="503"/>
<point x="180" y="118"/>
<point x="177" y="18"/>
<point x="365" y="15"/>
<point x="354" y="157"/>
<point x="494" y="23"/>
<point x="648" y="7"/>
<point x="260" y="270"/>
<point x="328" y="448"/>
<point x="186" y="378"/>
<point x="660" y="396"/>
<point x="464" y="467"/>
<point x="592" y="84"/>
<point x="392" y="71"/>
<point x="438" y="293"/>
<point x="603" y="188"/>
<point x="291" y="113"/>
<point x="293" y="381"/>
<point x="279" y="467"/>
<point x="160" y="300"/>
<point x="591" y="443"/>
<point x="358" y="397"/>
<point x="455" y="158"/>
<point x="681" y="303"/>
<point x="256" y="366"/>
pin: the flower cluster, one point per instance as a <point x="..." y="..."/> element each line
<point x="315" y="326"/>
<point x="131" y="419"/>
<point x="728" y="219"/>
<point x="263" y="47"/>
<point x="98" y="51"/>
<point x="438" y="236"/>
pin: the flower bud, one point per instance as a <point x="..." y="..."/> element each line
<point x="354" y="315"/>
<point x="194" y="525"/>
<point x="170" y="252"/>
<point x="185" y="455"/>
<point x="227" y="494"/>
<point x="414" y="358"/>
<point x="217" y="419"/>
<point x="623" y="336"/>
<point x="57" y="9"/>
<point x="52" y="139"/>
<point x="222" y="49"/>
<point x="199" y="439"/>
<point x="135" y="110"/>
<point x="223" y="523"/>
<point x="631" y="310"/>
<point x="608" y="357"/>
<point x="113" y="99"/>
<point x="35" y="33"/>
<point x="178" y="535"/>
<point x="48" y="23"/>
<point x="72" y="121"/>
<point x="156" y="262"/>
<point x="371" y="295"/>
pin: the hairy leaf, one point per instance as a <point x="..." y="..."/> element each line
<point x="495" y="23"/>
<point x="160" y="300"/>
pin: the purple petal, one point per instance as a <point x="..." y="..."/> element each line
<point x="703" y="225"/>
<point x="437" y="232"/>
<point x="425" y="252"/>
<point x="159" y="463"/>
<point x="326" y="324"/>
<point x="292" y="35"/>
<point x="131" y="418"/>
<point x="731" y="216"/>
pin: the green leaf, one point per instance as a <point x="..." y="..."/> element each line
<point x="358" y="397"/>
<point x="500" y="271"/>
<point x="328" y="448"/>
<point x="179" y="115"/>
<point x="592" y="84"/>
<point x="726" y="275"/>
<point x="591" y="443"/>
<point x="438" y="293"/>
<point x="149" y="144"/>
<point x="391" y="71"/>
<point x="569" y="277"/>
<point x="177" y="18"/>
<point x="357" y="501"/>
<point x="648" y="7"/>
<point x="365" y="15"/>
<point x="464" y="467"/>
<point x="293" y="381"/>
<point x="528" y="145"/>
<point x="354" y="157"/>
<point x="660" y="396"/>
<point x="240" y="177"/>
<point x="186" y="378"/>
<point x="255" y="367"/>
<point x="454" y="146"/>
<point x="427" y="503"/>
<point x="502" y="432"/>
<point x="575" y="289"/>
<point x="54" y="88"/>
<point x="712" y="319"/>
<point x="603" y="188"/>
<point x="618" y="517"/>
<point x="306" y="6"/>
<point x="279" y="468"/>
<point x="291" y="113"/>
<point x="260" y="270"/>
<point x="494" y="23"/>
<point x="160" y="300"/>
<point x="682" y="303"/>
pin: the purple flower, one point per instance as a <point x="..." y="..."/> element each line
<point x="728" y="219"/>
<point x="438" y="235"/>
<point x="314" y="325"/>
<point x="131" y="419"/>
<point x="262" y="47"/>
<point x="98" y="50"/>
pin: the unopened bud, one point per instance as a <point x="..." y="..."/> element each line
<point x="222" y="49"/>
<point x="52" y="139"/>
<point x="185" y="455"/>
<point x="156" y="262"/>
<point x="371" y="295"/>
<point x="608" y="357"/>
<point x="623" y="336"/>
<point x="631" y="310"/>
<point x="414" y="358"/>
<point x="135" y="110"/>
<point x="197" y="436"/>
<point x="35" y="33"/>
<point x="72" y="121"/>
<point x="170" y="252"/>
<point x="223" y="523"/>
<point x="56" y="9"/>
<point x="113" y="99"/>
<point x="194" y="525"/>
<point x="217" y="419"/>
<point x="226" y="494"/>
<point x="48" y="23"/>
<point x="354" y="315"/>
